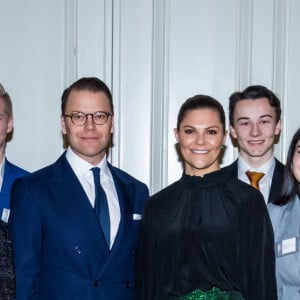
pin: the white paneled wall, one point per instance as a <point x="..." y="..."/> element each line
<point x="153" y="54"/>
<point x="31" y="69"/>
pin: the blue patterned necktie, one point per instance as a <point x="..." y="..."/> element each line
<point x="101" y="206"/>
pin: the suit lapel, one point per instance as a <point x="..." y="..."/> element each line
<point x="6" y="185"/>
<point x="124" y="192"/>
<point x="277" y="180"/>
<point x="77" y="203"/>
<point x="124" y="195"/>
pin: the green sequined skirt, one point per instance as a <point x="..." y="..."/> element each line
<point x="213" y="294"/>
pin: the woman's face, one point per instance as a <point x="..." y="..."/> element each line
<point x="200" y="137"/>
<point x="296" y="162"/>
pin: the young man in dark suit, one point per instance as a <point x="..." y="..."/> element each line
<point x="62" y="249"/>
<point x="255" y="124"/>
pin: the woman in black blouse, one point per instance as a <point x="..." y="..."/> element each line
<point x="206" y="236"/>
<point x="7" y="275"/>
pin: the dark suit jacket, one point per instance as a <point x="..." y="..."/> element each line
<point x="59" y="249"/>
<point x="7" y="274"/>
<point x="11" y="173"/>
<point x="276" y="180"/>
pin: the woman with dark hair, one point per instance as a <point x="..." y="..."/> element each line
<point x="7" y="275"/>
<point x="285" y="216"/>
<point x="208" y="235"/>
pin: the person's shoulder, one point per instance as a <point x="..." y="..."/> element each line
<point x="165" y="196"/>
<point x="124" y="176"/>
<point x="279" y="166"/>
<point x="231" y="169"/>
<point x="229" y="174"/>
<point x="45" y="173"/>
<point x="240" y="191"/>
<point x="16" y="169"/>
<point x="244" y="188"/>
<point x="275" y="209"/>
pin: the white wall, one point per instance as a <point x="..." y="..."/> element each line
<point x="153" y="54"/>
<point x="31" y="70"/>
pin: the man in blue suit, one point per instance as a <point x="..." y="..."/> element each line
<point x="255" y="123"/>
<point x="8" y="171"/>
<point x="61" y="249"/>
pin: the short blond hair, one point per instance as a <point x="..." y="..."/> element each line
<point x="7" y="101"/>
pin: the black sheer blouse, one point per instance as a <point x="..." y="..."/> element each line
<point x="204" y="232"/>
<point x="7" y="275"/>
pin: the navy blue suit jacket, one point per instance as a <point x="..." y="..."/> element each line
<point x="277" y="179"/>
<point x="59" y="249"/>
<point x="11" y="173"/>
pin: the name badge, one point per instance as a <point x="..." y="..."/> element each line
<point x="137" y="217"/>
<point x="5" y="215"/>
<point x="288" y="246"/>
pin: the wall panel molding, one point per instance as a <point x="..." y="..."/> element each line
<point x="70" y="42"/>
<point x="160" y="96"/>
<point x="244" y="43"/>
<point x="280" y="68"/>
<point x="116" y="80"/>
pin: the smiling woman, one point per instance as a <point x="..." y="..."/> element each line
<point x="208" y="234"/>
<point x="200" y="135"/>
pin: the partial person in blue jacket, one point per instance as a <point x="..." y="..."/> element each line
<point x="285" y="217"/>
<point x="8" y="171"/>
<point x="62" y="249"/>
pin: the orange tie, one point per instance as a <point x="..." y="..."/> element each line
<point x="254" y="178"/>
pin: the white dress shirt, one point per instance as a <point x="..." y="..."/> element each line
<point x="82" y="169"/>
<point x="265" y="182"/>
<point x="2" y="166"/>
<point x="5" y="212"/>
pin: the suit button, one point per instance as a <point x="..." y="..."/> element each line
<point x="97" y="282"/>
<point x="127" y="284"/>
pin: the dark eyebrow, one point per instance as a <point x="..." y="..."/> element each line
<point x="266" y="116"/>
<point x="243" y="118"/>
<point x="261" y="117"/>
<point x="210" y="127"/>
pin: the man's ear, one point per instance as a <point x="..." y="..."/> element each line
<point x="63" y="125"/>
<point x="232" y="132"/>
<point x="112" y="125"/>
<point x="278" y="127"/>
<point x="176" y="134"/>
<point x="10" y="125"/>
<point x="225" y="136"/>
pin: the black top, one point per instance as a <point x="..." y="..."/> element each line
<point x="7" y="275"/>
<point x="204" y="232"/>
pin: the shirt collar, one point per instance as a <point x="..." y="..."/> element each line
<point x="267" y="168"/>
<point x="2" y="167"/>
<point x="81" y="166"/>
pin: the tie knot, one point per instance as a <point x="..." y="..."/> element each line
<point x="96" y="171"/>
<point x="254" y="178"/>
